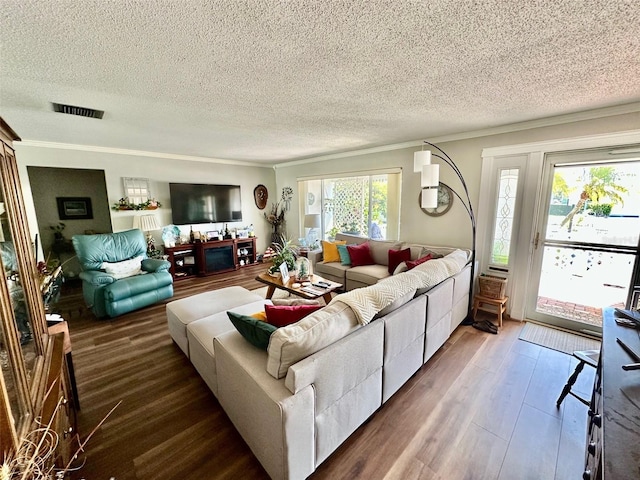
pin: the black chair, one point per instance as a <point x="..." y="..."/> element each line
<point x="589" y="357"/>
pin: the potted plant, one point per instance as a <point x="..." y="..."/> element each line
<point x="123" y="204"/>
<point x="284" y="254"/>
<point x="57" y="232"/>
<point x="332" y="233"/>
<point x="351" y="228"/>
<point x="276" y="216"/>
<point x="151" y="204"/>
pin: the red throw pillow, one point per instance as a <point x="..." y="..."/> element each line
<point x="360" y="254"/>
<point x="415" y="263"/>
<point x="396" y="257"/>
<point x="283" y="315"/>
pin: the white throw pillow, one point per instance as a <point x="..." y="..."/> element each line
<point x="402" y="267"/>
<point x="124" y="269"/>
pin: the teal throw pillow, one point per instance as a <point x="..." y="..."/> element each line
<point x="345" y="258"/>
<point x="254" y="331"/>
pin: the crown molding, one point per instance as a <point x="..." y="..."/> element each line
<point x="351" y="153"/>
<point x="544" y="122"/>
<point x="514" y="127"/>
<point x="629" y="137"/>
<point x="138" y="153"/>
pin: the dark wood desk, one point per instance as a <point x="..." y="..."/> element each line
<point x="613" y="430"/>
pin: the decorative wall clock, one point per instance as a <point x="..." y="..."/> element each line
<point x="445" y="199"/>
<point x="260" y="195"/>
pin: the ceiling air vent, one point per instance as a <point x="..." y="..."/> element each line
<point x="81" y="111"/>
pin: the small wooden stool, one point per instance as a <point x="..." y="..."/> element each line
<point x="494" y="305"/>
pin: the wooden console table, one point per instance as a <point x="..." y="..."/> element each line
<point x="613" y="430"/>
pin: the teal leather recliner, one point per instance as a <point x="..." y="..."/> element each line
<point x="109" y="296"/>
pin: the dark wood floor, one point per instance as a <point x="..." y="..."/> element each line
<point x="482" y="408"/>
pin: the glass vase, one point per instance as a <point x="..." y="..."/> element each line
<point x="303" y="269"/>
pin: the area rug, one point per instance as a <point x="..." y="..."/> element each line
<point x="262" y="291"/>
<point x="556" y="339"/>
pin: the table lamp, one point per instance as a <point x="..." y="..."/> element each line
<point x="147" y="223"/>
<point x="312" y="221"/>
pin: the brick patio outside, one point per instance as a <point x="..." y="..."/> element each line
<point x="572" y="311"/>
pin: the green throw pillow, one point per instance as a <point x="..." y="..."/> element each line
<point x="257" y="333"/>
<point x="345" y="258"/>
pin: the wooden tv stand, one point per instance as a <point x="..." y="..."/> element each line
<point x="210" y="258"/>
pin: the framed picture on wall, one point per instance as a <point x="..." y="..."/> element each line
<point x="74" y="208"/>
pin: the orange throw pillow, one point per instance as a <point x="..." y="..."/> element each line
<point x="330" y="251"/>
<point x="262" y="316"/>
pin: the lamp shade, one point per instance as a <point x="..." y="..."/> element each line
<point x="312" y="220"/>
<point x="146" y="223"/>
<point x="420" y="159"/>
<point x="430" y="176"/>
<point x="429" y="198"/>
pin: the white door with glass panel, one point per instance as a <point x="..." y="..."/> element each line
<point x="586" y="237"/>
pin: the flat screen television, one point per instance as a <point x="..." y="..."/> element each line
<point x="202" y="203"/>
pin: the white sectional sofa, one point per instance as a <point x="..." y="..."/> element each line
<point x="323" y="376"/>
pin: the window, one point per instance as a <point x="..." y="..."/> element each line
<point x="366" y="204"/>
<point x="505" y="209"/>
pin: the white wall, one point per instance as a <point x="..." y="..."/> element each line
<point x="452" y="228"/>
<point x="161" y="172"/>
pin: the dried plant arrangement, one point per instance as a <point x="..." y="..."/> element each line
<point x="35" y="459"/>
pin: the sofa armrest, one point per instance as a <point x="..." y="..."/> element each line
<point x="338" y="368"/>
<point x="96" y="277"/>
<point x="346" y="378"/>
<point x="314" y="256"/>
<point x="277" y="425"/>
<point x="155" y="265"/>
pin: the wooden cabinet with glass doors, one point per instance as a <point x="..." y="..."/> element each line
<point x="34" y="380"/>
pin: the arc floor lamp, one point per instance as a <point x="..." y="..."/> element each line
<point x="429" y="181"/>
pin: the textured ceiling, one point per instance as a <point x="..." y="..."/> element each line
<point x="271" y="81"/>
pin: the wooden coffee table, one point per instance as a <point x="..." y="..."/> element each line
<point x="276" y="282"/>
